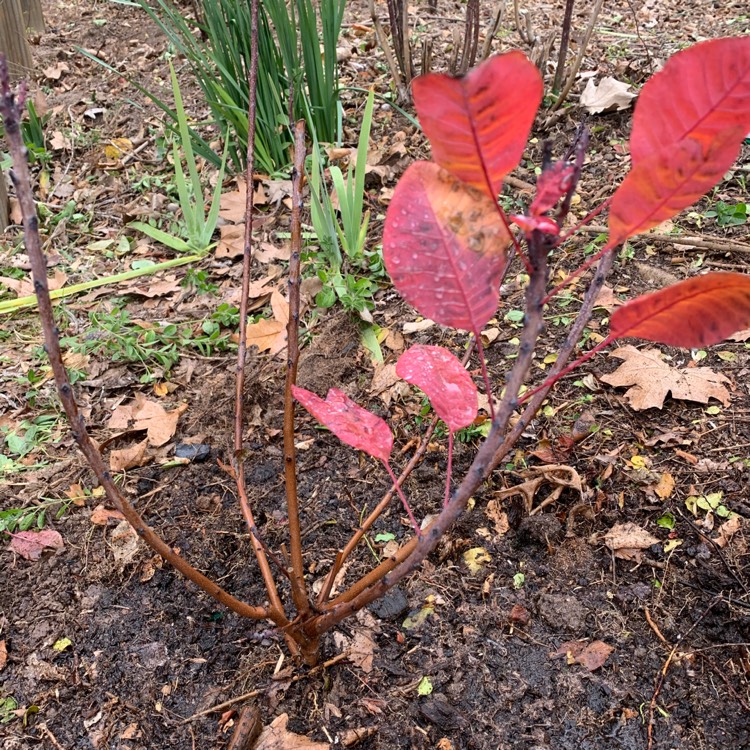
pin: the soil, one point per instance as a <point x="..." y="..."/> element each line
<point x="453" y="658"/>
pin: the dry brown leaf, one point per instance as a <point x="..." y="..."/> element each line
<point x="589" y="655"/>
<point x="123" y="541"/>
<point x="607" y="96"/>
<point x="385" y="382"/>
<point x="232" y="204"/>
<point x="148" y="415"/>
<point x="727" y="530"/>
<point x="628" y="540"/>
<point x="3" y="655"/>
<point x="362" y="651"/>
<point x="498" y="517"/>
<point x="231" y="241"/>
<point x="651" y="379"/>
<point x="54" y="72"/>
<point x="128" y="458"/>
<point x="264" y="334"/>
<point x="270" y="335"/>
<point x="101" y="516"/>
<point x="558" y="475"/>
<point x="607" y="298"/>
<point x="25" y="287"/>
<point x="277" y="737"/>
<point x="418" y="326"/>
<point x="665" y="486"/>
<point x="151" y="289"/>
<point x="742" y="335"/>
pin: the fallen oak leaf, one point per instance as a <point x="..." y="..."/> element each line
<point x="264" y="334"/>
<point x="129" y="458"/>
<point x="25" y="287"/>
<point x="101" y="516"/>
<point x="651" y="379"/>
<point x="30" y="544"/>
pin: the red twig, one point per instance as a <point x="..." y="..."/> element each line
<point x="238" y="460"/>
<point x="299" y="591"/>
<point x="22" y="182"/>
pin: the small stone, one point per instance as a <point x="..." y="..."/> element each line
<point x="195" y="452"/>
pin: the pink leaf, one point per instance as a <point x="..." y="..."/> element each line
<point x="444" y="247"/>
<point x="349" y="422"/>
<point x="478" y="124"/>
<point x="551" y="185"/>
<point x="532" y="223"/>
<point x="444" y="380"/>
<point x="30" y="544"/>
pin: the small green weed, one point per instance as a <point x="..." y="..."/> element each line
<point x="30" y="435"/>
<point x="151" y="345"/>
<point x="728" y="215"/>
<point x="13" y="520"/>
<point x="198" y="228"/>
<point x="8" y="708"/>
<point x="199" y="281"/>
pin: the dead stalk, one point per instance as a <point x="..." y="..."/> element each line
<point x="569" y="83"/>
<point x="563" y="51"/>
<point x="489" y="34"/>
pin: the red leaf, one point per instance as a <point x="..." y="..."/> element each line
<point x="478" y="125"/>
<point x="668" y="181"/>
<point x="349" y="422"/>
<point x="444" y="247"/>
<point x="30" y="544"/>
<point x="697" y="312"/>
<point x="701" y="92"/>
<point x="444" y="380"/>
<point x="688" y="126"/>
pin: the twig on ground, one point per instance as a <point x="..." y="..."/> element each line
<point x="665" y="668"/>
<point x="703" y="243"/>
<point x="259" y="691"/>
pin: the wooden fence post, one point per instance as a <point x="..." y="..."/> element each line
<point x="32" y="15"/>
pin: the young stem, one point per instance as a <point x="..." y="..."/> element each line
<point x="485" y="374"/>
<point x="405" y="502"/>
<point x="449" y="469"/>
<point x="299" y="591"/>
<point x="381" y="506"/>
<point x="22" y="182"/>
<point x="573" y="337"/>
<point x="239" y="463"/>
<point x="564" y="40"/>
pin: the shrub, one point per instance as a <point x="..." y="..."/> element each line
<point x="447" y="246"/>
